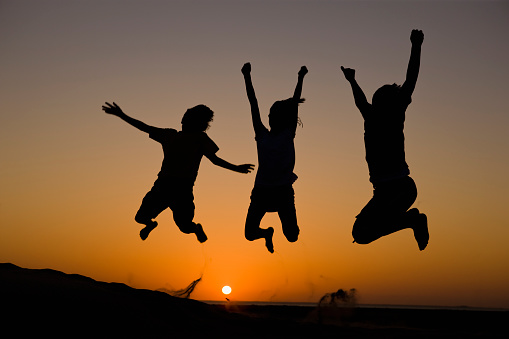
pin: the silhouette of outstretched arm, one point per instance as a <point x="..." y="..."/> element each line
<point x="416" y="37"/>
<point x="360" y="98"/>
<point x="298" y="89"/>
<point x="255" y="110"/>
<point x="244" y="168"/>
<point x="115" y="110"/>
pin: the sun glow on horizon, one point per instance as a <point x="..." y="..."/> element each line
<point x="227" y="289"/>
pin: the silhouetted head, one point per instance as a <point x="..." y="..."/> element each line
<point x="385" y="97"/>
<point x="283" y="113"/>
<point x="197" y="119"/>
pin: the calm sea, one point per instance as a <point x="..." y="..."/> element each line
<point x="309" y="304"/>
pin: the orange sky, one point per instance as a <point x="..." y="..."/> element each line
<point x="72" y="178"/>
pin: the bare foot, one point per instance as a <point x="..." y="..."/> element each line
<point x="421" y="233"/>
<point x="200" y="234"/>
<point x="147" y="229"/>
<point x="268" y="239"/>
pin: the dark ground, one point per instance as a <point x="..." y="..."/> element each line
<point x="37" y="303"/>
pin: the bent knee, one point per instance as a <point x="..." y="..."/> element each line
<point x="292" y="238"/>
<point x="361" y="234"/>
<point x="250" y="236"/>
<point x="361" y="240"/>
<point x="142" y="219"/>
<point x="293" y="235"/>
<point x="185" y="226"/>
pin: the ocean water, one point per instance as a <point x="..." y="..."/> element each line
<point x="379" y="306"/>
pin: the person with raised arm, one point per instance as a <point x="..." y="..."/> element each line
<point x="273" y="189"/>
<point x="183" y="151"/>
<point x="394" y="190"/>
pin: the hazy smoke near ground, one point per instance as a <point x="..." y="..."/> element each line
<point x="339" y="298"/>
<point x="336" y="307"/>
<point x="183" y="293"/>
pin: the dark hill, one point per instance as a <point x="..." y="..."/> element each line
<point x="39" y="303"/>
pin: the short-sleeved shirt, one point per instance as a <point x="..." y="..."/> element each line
<point x="384" y="141"/>
<point x="276" y="158"/>
<point x="182" y="152"/>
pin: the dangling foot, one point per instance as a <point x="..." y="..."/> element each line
<point x="200" y="234"/>
<point x="421" y="233"/>
<point x="268" y="239"/>
<point x="147" y="229"/>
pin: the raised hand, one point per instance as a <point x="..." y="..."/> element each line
<point x="417" y="37"/>
<point x="245" y="168"/>
<point x="303" y="71"/>
<point x="112" y="109"/>
<point x="246" y="69"/>
<point x="349" y="73"/>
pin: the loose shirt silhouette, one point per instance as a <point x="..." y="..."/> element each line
<point x="276" y="158"/>
<point x="384" y="140"/>
<point x="183" y="151"/>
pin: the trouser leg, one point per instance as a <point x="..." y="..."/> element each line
<point x="387" y="212"/>
<point x="288" y="217"/>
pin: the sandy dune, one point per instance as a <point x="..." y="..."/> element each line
<point x="48" y="302"/>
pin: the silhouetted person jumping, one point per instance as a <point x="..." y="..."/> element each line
<point x="273" y="190"/>
<point x="183" y="151"/>
<point x="394" y="191"/>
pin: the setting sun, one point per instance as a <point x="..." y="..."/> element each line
<point x="227" y="289"/>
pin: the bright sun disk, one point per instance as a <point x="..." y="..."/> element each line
<point x="227" y="289"/>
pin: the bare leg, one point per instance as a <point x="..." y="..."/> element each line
<point x="147" y="229"/>
<point x="149" y="225"/>
<point x="253" y="230"/>
<point x="151" y="206"/>
<point x="183" y="218"/>
<point x="420" y="227"/>
<point x="269" y="233"/>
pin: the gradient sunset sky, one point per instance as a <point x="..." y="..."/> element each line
<point x="72" y="177"/>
